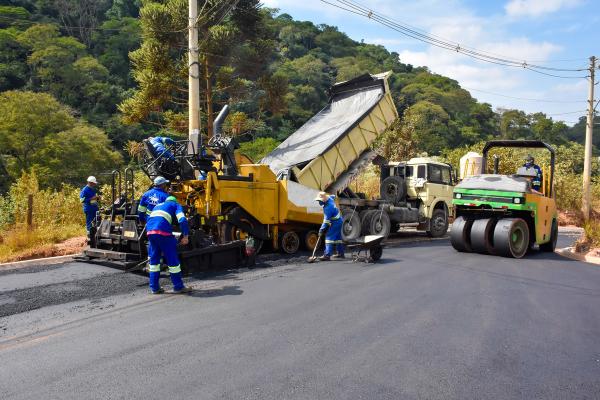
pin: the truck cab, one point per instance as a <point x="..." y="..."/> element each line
<point x="428" y="183"/>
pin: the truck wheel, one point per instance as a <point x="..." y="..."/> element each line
<point x="460" y="235"/>
<point x="352" y="226"/>
<point x="393" y="189"/>
<point x="310" y="240"/>
<point x="376" y="222"/>
<point x="290" y="242"/>
<point x="230" y="233"/>
<point x="511" y="237"/>
<point x="482" y="235"/>
<point x="244" y="227"/>
<point x="438" y="225"/>
<point x="551" y="245"/>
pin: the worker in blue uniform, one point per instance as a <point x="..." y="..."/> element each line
<point x="153" y="197"/>
<point x="331" y="227"/>
<point x="536" y="183"/>
<point x="161" y="145"/>
<point x="89" y="199"/>
<point x="162" y="243"/>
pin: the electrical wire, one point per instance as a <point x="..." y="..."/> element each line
<point x="357" y="9"/>
<point x="452" y="45"/>
<point x="525" y="98"/>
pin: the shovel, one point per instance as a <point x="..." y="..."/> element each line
<point x="313" y="258"/>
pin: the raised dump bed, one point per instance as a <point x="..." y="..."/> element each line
<point x="334" y="145"/>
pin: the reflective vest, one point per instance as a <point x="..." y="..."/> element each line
<point x="161" y="219"/>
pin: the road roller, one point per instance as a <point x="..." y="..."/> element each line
<point x="503" y="215"/>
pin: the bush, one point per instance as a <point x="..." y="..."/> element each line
<point x="367" y="182"/>
<point x="258" y="148"/>
<point x="592" y="232"/>
<point x="57" y="215"/>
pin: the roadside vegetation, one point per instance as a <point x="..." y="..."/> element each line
<point x="83" y="81"/>
<point x="56" y="216"/>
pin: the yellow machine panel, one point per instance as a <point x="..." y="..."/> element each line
<point x="546" y="212"/>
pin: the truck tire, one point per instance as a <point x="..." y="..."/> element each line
<point x="289" y="242"/>
<point x="551" y="245"/>
<point x="511" y="237"/>
<point x="240" y="225"/>
<point x="393" y="189"/>
<point x="438" y="225"/>
<point x="352" y="226"/>
<point x="482" y="235"/>
<point x="460" y="235"/>
<point x="376" y="222"/>
<point x="310" y="240"/>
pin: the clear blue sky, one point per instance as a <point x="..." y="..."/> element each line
<point x="556" y="33"/>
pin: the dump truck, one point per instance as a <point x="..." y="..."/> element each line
<point x="335" y="145"/>
<point x="501" y="214"/>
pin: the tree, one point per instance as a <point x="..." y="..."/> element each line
<point x="258" y="148"/>
<point x="112" y="46"/>
<point x="37" y="131"/>
<point x="160" y="65"/>
<point x="13" y="58"/>
<point x="427" y="124"/>
<point x="514" y="124"/>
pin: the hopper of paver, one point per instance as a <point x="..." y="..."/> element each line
<point x="334" y="145"/>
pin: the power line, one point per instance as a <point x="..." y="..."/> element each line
<point x="568" y="112"/>
<point x="452" y="45"/>
<point x="357" y="9"/>
<point x="525" y="98"/>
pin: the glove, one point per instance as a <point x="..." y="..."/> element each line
<point x="321" y="233"/>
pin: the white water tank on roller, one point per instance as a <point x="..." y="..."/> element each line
<point x="470" y="164"/>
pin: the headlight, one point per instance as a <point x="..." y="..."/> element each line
<point x="458" y="195"/>
<point x="517" y="200"/>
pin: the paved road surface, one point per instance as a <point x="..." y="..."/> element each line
<point x="425" y="323"/>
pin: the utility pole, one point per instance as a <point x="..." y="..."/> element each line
<point x="587" y="161"/>
<point x="194" y="77"/>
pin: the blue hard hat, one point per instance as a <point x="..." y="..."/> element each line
<point x="159" y="180"/>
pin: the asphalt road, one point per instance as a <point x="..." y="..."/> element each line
<point x="425" y="323"/>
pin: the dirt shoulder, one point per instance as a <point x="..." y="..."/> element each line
<point x="68" y="247"/>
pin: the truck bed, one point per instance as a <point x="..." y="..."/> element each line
<point x="332" y="147"/>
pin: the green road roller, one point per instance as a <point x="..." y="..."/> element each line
<point x="506" y="215"/>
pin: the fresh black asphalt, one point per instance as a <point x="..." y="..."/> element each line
<point x="425" y="323"/>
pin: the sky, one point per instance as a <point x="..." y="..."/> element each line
<point x="553" y="33"/>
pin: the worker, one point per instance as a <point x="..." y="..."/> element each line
<point x="162" y="243"/>
<point x="536" y="183"/>
<point x="331" y="228"/>
<point x="153" y="197"/>
<point x="89" y="199"/>
<point x="161" y="145"/>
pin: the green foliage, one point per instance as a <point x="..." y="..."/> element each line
<point x="57" y="215"/>
<point x="39" y="132"/>
<point x="272" y="70"/>
<point x="258" y="148"/>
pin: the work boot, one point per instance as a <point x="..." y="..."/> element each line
<point x="185" y="289"/>
<point x="324" y="257"/>
<point x="158" y="291"/>
<point x="338" y="257"/>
